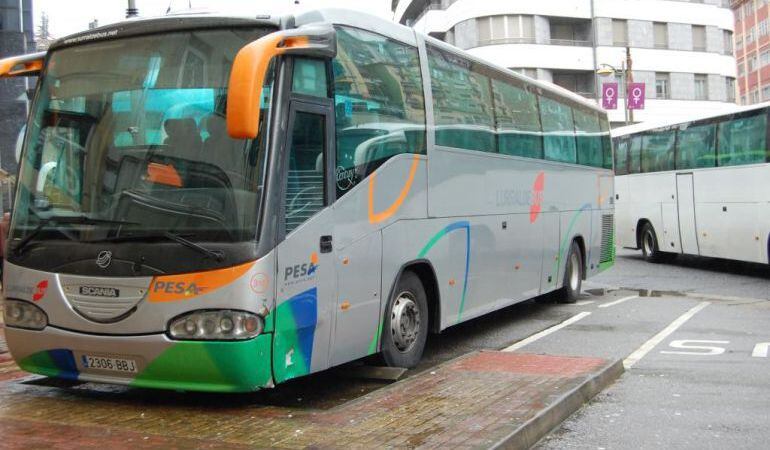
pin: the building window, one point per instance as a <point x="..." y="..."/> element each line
<point x="506" y="29"/>
<point x="754" y="96"/>
<point x="728" y="37"/>
<point x="661" y="35"/>
<point x="662" y="85"/>
<point x="730" y="86"/>
<point x="701" y="87"/>
<point x="764" y="58"/>
<point x="752" y="63"/>
<point x="750" y="36"/>
<point x="741" y="69"/>
<point x="699" y="38"/>
<point x="619" y="32"/>
<point x="766" y="93"/>
<point x="762" y="28"/>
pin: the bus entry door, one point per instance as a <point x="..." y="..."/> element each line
<point x="685" y="198"/>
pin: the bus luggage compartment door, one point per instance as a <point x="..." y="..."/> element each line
<point x="685" y="196"/>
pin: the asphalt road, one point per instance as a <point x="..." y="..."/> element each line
<point x="711" y="397"/>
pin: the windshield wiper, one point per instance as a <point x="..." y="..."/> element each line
<point x="65" y="220"/>
<point x="215" y="254"/>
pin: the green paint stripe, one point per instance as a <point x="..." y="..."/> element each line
<point x="431" y="243"/>
<point x="376" y="339"/>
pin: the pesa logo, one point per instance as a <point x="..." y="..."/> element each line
<point x="300" y="272"/>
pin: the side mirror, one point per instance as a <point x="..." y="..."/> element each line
<point x="22" y="66"/>
<point x="249" y="71"/>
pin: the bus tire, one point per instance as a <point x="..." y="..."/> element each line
<point x="573" y="275"/>
<point x="650" y="249"/>
<point x="406" y="323"/>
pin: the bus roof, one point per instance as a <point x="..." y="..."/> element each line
<point x="653" y="124"/>
<point x="182" y="21"/>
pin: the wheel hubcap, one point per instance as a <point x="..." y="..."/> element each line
<point x="648" y="245"/>
<point x="405" y="322"/>
<point x="574" y="276"/>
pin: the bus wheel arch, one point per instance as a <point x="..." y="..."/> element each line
<point x="639" y="229"/>
<point x="578" y="239"/>
<point x="574" y="271"/>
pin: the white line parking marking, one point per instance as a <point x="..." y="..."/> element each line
<point x="639" y="353"/>
<point x="761" y="350"/>
<point x="702" y="350"/>
<point x="546" y="332"/>
<point x="617" y="302"/>
<point x="585" y="302"/>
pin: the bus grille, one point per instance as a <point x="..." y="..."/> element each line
<point x="608" y="241"/>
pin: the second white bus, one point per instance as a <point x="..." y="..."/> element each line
<point x="701" y="187"/>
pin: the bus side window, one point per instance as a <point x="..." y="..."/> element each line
<point x="743" y="141"/>
<point x="621" y="157"/>
<point x="517" y="120"/>
<point x="378" y="103"/>
<point x="696" y="147"/>
<point x="309" y="77"/>
<point x="462" y="103"/>
<point x="635" y="155"/>
<point x="589" y="138"/>
<point x="305" y="181"/>
<point x="558" y="131"/>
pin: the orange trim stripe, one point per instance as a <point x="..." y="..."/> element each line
<point x="187" y="286"/>
<point x="384" y="215"/>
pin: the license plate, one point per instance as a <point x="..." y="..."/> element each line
<point x="108" y="363"/>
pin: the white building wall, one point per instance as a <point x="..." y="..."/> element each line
<point x="680" y="61"/>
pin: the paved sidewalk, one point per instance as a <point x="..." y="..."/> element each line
<point x="475" y="401"/>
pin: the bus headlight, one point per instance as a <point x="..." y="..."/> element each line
<point x="21" y="314"/>
<point x="216" y="325"/>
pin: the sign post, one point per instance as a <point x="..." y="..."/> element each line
<point x="636" y="95"/>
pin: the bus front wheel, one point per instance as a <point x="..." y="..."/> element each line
<point x="406" y="323"/>
<point x="573" y="275"/>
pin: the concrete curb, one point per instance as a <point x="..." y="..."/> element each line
<point x="530" y="433"/>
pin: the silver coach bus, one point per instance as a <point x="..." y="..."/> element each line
<point x="222" y="204"/>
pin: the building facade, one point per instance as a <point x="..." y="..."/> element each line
<point x="16" y="37"/>
<point x="752" y="50"/>
<point x="682" y="50"/>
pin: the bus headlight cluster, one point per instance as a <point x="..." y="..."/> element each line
<point x="21" y="314"/>
<point x="216" y="325"/>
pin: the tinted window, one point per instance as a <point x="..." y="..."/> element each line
<point x="379" y="103"/>
<point x="696" y="147"/>
<point x="518" y="121"/>
<point x="589" y="138"/>
<point x="658" y="151"/>
<point x="305" y="180"/>
<point x="558" y="131"/>
<point x="309" y="77"/>
<point x="621" y="157"/>
<point x="604" y="125"/>
<point x="743" y="141"/>
<point x="462" y="103"/>
<point x="635" y="155"/>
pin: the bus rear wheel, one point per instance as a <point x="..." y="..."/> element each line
<point x="573" y="275"/>
<point x="650" y="249"/>
<point x="406" y="323"/>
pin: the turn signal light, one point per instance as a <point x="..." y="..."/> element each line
<point x="20" y="314"/>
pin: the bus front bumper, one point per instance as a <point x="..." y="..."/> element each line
<point x="149" y="361"/>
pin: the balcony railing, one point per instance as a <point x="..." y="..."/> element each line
<point x="532" y="40"/>
<point x="570" y="42"/>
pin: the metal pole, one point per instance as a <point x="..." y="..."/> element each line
<point x="132" y="11"/>
<point x="625" y="90"/>
<point x="629" y="79"/>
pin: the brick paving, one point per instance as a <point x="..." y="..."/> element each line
<point x="470" y="402"/>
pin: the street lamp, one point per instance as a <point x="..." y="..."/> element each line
<point x="625" y="75"/>
<point x="606" y="70"/>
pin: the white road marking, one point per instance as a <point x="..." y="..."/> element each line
<point x="687" y="344"/>
<point x="617" y="302"/>
<point x="546" y="332"/>
<point x="639" y="353"/>
<point x="761" y="350"/>
<point x="585" y="302"/>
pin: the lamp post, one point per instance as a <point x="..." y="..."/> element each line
<point x="626" y="76"/>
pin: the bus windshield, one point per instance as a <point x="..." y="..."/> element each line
<point x="129" y="137"/>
